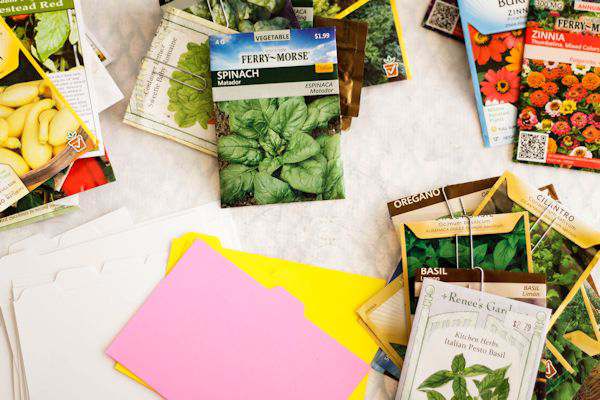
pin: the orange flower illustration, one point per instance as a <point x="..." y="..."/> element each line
<point x="569" y="80"/>
<point x="501" y="85"/>
<point x="486" y="47"/>
<point x="515" y="58"/>
<point x="591" y="134"/>
<point x="590" y="81"/>
<point x="550" y="88"/>
<point x="536" y="79"/>
<point x="552" y="146"/>
<point x="539" y="98"/>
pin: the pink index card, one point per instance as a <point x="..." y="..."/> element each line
<point x="210" y="331"/>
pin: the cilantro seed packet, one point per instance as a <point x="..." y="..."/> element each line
<point x="558" y="121"/>
<point x="494" y="34"/>
<point x="277" y="110"/>
<point x="567" y="250"/>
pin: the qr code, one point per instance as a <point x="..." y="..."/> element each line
<point x="443" y="16"/>
<point x="533" y="146"/>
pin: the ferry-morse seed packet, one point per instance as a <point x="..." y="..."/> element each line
<point x="494" y="34"/>
<point x="559" y="114"/>
<point x="277" y="110"/>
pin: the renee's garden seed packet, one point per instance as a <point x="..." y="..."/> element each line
<point x="172" y="95"/>
<point x="468" y="344"/>
<point x="41" y="135"/>
<point x="493" y="242"/>
<point x="277" y="109"/>
<point x="566" y="249"/>
<point x="494" y="34"/>
<point x="386" y="59"/>
<point x="559" y="122"/>
<point x="443" y="16"/>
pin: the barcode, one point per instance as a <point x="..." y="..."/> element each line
<point x="533" y="146"/>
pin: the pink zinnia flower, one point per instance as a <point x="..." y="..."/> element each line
<point x="561" y="128"/>
<point x="579" y="119"/>
<point x="501" y="85"/>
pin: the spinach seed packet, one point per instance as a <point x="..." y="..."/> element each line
<point x="566" y="249"/>
<point x="500" y="242"/>
<point x="241" y="15"/>
<point x="277" y="110"/>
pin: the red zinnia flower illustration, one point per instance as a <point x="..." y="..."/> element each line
<point x="539" y="98"/>
<point x="576" y="92"/>
<point x="486" y="47"/>
<point x="550" y="87"/>
<point x="501" y="85"/>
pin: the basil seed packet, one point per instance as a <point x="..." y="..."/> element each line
<point x="468" y="344"/>
<point x="567" y="249"/>
<point x="277" y="110"/>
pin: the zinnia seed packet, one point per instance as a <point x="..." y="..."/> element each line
<point x="559" y="113"/>
<point x="470" y="344"/>
<point x="567" y="249"/>
<point x="277" y="110"/>
<point x="443" y="16"/>
<point x="494" y="35"/>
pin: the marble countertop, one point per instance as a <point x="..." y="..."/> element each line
<point x="411" y="136"/>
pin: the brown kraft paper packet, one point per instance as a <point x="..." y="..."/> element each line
<point x="351" y="38"/>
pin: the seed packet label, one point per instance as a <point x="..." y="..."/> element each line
<point x="464" y="344"/>
<point x="558" y="114"/>
<point x="274" y="64"/>
<point x="51" y="29"/>
<point x="11" y="187"/>
<point x="494" y="34"/>
<point x="443" y="16"/>
<point x="277" y="110"/>
<point x="304" y="12"/>
<point x="172" y="96"/>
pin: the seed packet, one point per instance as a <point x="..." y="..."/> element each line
<point x="558" y="121"/>
<point x="351" y="40"/>
<point x="492" y="242"/>
<point x="40" y="134"/>
<point x="51" y="33"/>
<point x="443" y="16"/>
<point x="494" y="34"/>
<point x="304" y="12"/>
<point x="472" y="344"/>
<point x="277" y="109"/>
<point x="566" y="249"/>
<point x="172" y="96"/>
<point x="386" y="59"/>
<point x="241" y="15"/>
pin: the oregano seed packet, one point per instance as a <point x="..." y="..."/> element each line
<point x="277" y="110"/>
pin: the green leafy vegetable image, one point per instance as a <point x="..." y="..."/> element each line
<point x="52" y="31"/>
<point x="242" y="15"/>
<point x="189" y="104"/>
<point x="279" y="150"/>
<point x="491" y="384"/>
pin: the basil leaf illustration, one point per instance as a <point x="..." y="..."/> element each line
<point x="458" y="364"/>
<point x="270" y="190"/>
<point x="433" y="395"/>
<point x="238" y="149"/>
<point x="51" y="32"/>
<point x="459" y="387"/>
<point x="438" y="379"/>
<point x="236" y="181"/>
<point x="476" y="370"/>
<point x="502" y="390"/>
<point x="504" y="254"/>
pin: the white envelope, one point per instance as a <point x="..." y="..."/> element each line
<point x="112" y="222"/>
<point x="147" y="238"/>
<point x="67" y="321"/>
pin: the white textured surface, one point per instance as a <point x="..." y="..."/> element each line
<point x="411" y="136"/>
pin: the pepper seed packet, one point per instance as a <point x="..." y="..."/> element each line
<point x="566" y="249"/>
<point x="468" y="344"/>
<point x="492" y="242"/>
<point x="494" y="34"/>
<point x="559" y="122"/>
<point x="172" y="95"/>
<point x="277" y="108"/>
<point x="443" y="16"/>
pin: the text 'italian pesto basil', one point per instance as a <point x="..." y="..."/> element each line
<point x="277" y="111"/>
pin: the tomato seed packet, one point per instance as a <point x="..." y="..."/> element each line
<point x="567" y="249"/>
<point x="443" y="16"/>
<point x="494" y="34"/>
<point x="559" y="113"/>
<point x="277" y="110"/>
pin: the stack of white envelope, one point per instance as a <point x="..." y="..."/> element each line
<point x="63" y="299"/>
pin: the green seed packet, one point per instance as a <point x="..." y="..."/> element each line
<point x="566" y="249"/>
<point x="277" y="110"/>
